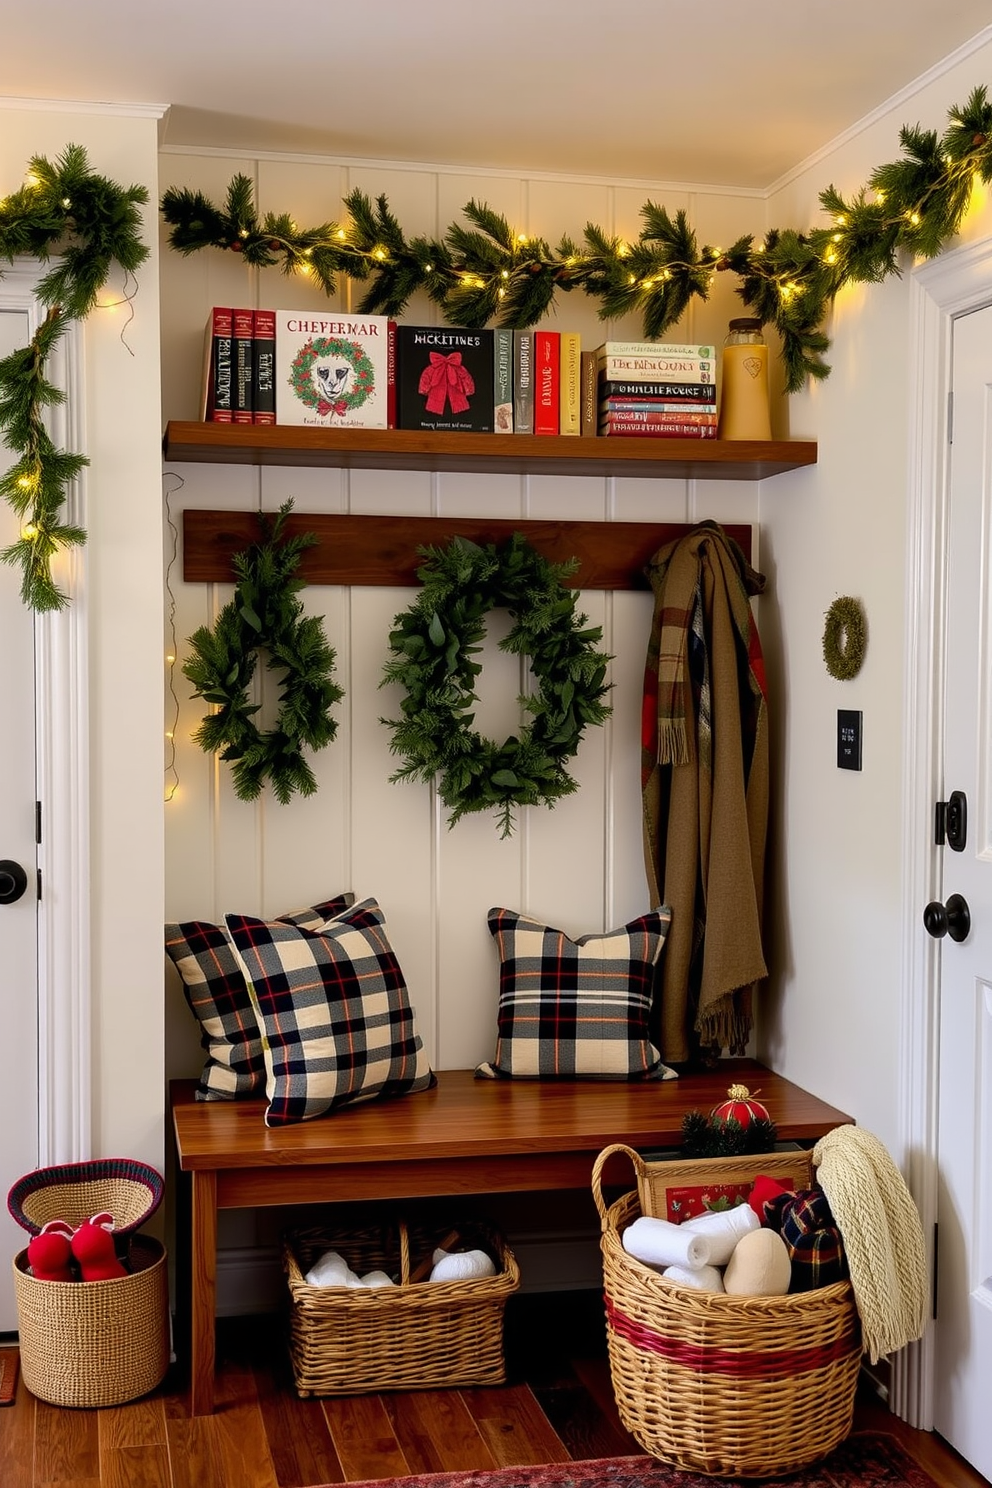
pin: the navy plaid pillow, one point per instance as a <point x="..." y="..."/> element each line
<point x="576" y="1009"/>
<point x="336" y="1021"/>
<point x="218" y="997"/>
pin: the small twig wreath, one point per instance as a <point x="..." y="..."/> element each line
<point x="845" y="637"/>
<point x="265" y="614"/>
<point x="433" y="644"/>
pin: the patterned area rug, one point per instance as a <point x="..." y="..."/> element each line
<point x="865" y="1460"/>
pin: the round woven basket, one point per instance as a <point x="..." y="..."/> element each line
<point x="95" y="1343"/>
<point x="130" y="1191"/>
<point x="734" y="1386"/>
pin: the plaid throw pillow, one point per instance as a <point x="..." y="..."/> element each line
<point x="576" y="1009"/>
<point x="216" y="992"/>
<point x="337" y="1024"/>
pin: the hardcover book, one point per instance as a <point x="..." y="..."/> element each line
<point x="503" y="381"/>
<point x="588" y="393"/>
<point x="444" y="379"/>
<point x="332" y="369"/>
<point x="242" y="364"/>
<point x="218" y="387"/>
<point x="624" y="368"/>
<point x="642" y="406"/>
<point x="693" y="392"/>
<point x="523" y="382"/>
<point x="264" y="411"/>
<point x="619" y="418"/>
<point x="569" y="400"/>
<point x="547" y="380"/>
<point x="657" y="431"/>
<point x="701" y="352"/>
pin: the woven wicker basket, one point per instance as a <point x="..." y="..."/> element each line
<point x="129" y="1190"/>
<point x="733" y="1386"/>
<point x="95" y="1343"/>
<point x="416" y="1336"/>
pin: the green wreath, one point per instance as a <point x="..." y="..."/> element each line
<point x="433" y="644"/>
<point x="266" y="615"/>
<point x="352" y="352"/>
<point x="845" y="637"/>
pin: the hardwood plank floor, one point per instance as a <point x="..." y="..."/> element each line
<point x="558" y="1405"/>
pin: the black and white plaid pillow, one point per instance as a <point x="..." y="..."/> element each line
<point x="576" y="1009"/>
<point x="216" y="992"/>
<point x="336" y="1021"/>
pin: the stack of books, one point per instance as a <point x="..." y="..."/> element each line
<point x="239" y="367"/>
<point x="656" y="389"/>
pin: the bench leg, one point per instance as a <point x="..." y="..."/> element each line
<point x="203" y="1294"/>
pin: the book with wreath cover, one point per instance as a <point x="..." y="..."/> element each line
<point x="332" y="369"/>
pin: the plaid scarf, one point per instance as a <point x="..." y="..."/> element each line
<point x="704" y="783"/>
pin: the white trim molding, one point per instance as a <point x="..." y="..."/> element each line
<point x="62" y="764"/>
<point x="954" y="284"/>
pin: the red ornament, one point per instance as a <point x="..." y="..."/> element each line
<point x="236" y="246"/>
<point x="741" y="1107"/>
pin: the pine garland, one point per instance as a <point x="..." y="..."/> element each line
<point x="88" y="224"/>
<point x="265" y="614"/>
<point x="486" y="272"/>
<point x="433" y="644"/>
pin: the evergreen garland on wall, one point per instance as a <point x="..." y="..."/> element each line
<point x="486" y="272"/>
<point x="86" y="223"/>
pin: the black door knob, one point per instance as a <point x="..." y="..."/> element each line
<point x="952" y="918"/>
<point x="13" y="881"/>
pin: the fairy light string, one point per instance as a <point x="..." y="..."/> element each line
<point x="482" y="271"/>
<point x="79" y="225"/>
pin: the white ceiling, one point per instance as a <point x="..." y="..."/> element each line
<point x="717" y="92"/>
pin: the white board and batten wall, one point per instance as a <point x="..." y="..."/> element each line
<point x="579" y="866"/>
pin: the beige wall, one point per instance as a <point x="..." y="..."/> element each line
<point x="122" y="597"/>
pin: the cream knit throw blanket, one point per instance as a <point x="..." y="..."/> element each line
<point x="882" y="1234"/>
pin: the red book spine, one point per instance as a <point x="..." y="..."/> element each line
<point x="391" y="376"/>
<point x="264" y="370"/>
<point x="547" y="374"/>
<point x="242" y="333"/>
<point x="658" y="431"/>
<point x="220" y="377"/>
<point x="619" y="416"/>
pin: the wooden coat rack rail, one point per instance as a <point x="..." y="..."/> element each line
<point x="384" y="550"/>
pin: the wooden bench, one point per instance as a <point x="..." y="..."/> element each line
<point x="465" y="1136"/>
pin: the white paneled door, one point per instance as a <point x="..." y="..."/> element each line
<point x="18" y="915"/>
<point x="963" y="919"/>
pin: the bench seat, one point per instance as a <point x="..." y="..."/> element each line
<point x="464" y="1136"/>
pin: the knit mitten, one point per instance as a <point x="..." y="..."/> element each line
<point x="49" y="1253"/>
<point x="93" y="1247"/>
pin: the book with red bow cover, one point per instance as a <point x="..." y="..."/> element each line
<point x="332" y="369"/>
<point x="444" y="379"/>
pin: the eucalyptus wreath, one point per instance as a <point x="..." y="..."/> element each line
<point x="87" y="224"/>
<point x="433" y="645"/>
<point x="845" y="638"/>
<point x="266" y="615"/>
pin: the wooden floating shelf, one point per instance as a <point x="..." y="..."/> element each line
<point x="383" y="550"/>
<point x="522" y="454"/>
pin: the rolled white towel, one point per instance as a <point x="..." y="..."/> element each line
<point x="703" y="1279"/>
<point x="723" y="1228"/>
<point x="658" y="1242"/>
<point x="461" y="1265"/>
<point x="331" y="1269"/>
<point x="373" y="1279"/>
